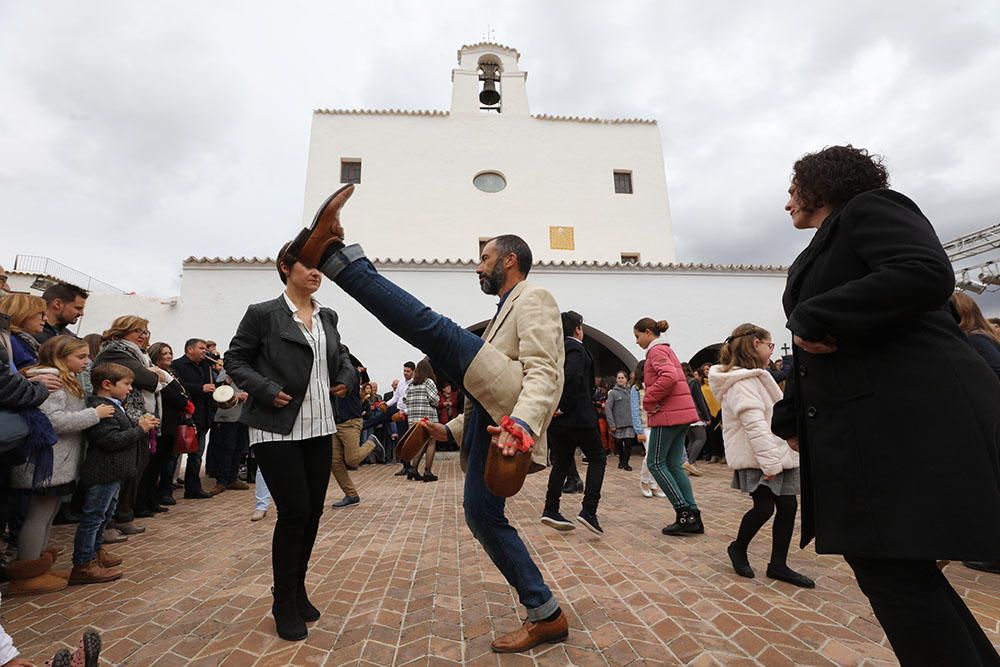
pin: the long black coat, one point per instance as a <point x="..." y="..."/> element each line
<point x="898" y="428"/>
<point x="269" y="354"/>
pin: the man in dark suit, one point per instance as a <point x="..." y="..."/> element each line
<point x="575" y="424"/>
<point x="195" y="373"/>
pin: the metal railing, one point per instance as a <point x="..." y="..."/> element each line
<point x="49" y="267"/>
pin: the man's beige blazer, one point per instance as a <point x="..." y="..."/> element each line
<point x="519" y="372"/>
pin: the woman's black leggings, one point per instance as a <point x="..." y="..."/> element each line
<point x="297" y="474"/>
<point x="764" y="504"/>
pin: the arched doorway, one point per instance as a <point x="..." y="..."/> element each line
<point x="609" y="355"/>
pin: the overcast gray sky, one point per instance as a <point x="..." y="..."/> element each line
<point x="134" y="134"/>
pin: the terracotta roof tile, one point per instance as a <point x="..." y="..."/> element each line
<point x="574" y="264"/>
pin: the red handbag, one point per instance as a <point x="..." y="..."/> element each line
<point x="186" y="439"/>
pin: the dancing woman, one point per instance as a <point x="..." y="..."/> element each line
<point x="288" y="357"/>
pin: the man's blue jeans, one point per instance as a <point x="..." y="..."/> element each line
<point x="451" y="349"/>
<point x="99" y="504"/>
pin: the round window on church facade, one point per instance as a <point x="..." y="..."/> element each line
<point x="490" y="181"/>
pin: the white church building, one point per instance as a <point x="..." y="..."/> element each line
<point x="589" y="196"/>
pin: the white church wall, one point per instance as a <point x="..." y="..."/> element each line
<point x="701" y="306"/>
<point x="416" y="198"/>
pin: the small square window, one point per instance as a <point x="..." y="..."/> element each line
<point x="630" y="258"/>
<point x="623" y="182"/>
<point x="350" y="171"/>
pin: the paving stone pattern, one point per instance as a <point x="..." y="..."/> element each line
<point x="401" y="581"/>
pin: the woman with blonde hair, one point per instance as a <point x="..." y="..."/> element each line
<point x="27" y="318"/>
<point x="763" y="464"/>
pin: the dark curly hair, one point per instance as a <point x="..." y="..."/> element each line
<point x="837" y="174"/>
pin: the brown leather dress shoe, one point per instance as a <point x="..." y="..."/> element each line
<point x="324" y="231"/>
<point x="532" y="634"/>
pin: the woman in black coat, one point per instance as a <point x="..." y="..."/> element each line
<point x="287" y="355"/>
<point x="895" y="414"/>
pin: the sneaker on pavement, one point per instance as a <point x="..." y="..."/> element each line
<point x="346" y="501"/>
<point x="258" y="515"/>
<point x="589" y="520"/>
<point x="237" y="485"/>
<point x="557" y="521"/>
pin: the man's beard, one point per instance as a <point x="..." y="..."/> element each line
<point x="493" y="281"/>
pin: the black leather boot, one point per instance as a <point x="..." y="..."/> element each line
<point x="287" y="619"/>
<point x="688" y="522"/>
<point x="307" y="611"/>
<point x="677" y="527"/>
<point x="694" y="524"/>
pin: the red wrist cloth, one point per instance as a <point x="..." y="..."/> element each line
<point x="524" y="441"/>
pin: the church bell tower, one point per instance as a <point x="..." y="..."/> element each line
<point x="488" y="81"/>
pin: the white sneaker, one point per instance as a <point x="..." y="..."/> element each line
<point x="658" y="492"/>
<point x="646" y="492"/>
<point x="258" y="515"/>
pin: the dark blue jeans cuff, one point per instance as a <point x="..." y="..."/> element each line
<point x="341" y="259"/>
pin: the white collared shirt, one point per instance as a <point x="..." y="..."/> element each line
<point x="315" y="417"/>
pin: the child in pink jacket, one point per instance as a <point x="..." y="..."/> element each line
<point x="671" y="412"/>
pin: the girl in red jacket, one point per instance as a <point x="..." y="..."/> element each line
<point x="671" y="411"/>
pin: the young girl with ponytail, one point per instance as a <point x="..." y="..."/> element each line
<point x="764" y="465"/>
<point x="66" y="357"/>
<point x="670" y="411"/>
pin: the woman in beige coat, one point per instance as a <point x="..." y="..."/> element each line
<point x="764" y="465"/>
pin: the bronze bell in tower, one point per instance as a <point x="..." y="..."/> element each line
<point x="489" y="96"/>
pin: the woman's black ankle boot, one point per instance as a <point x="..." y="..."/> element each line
<point x="307" y="611"/>
<point x="287" y="619"/>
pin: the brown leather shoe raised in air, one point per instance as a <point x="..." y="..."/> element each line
<point x="107" y="559"/>
<point x="93" y="573"/>
<point x="237" y="485"/>
<point x="415" y="438"/>
<point x="325" y="230"/>
<point x="532" y="634"/>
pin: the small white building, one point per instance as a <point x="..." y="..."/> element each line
<point x="588" y="195"/>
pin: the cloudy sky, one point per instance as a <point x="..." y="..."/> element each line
<point x="135" y="134"/>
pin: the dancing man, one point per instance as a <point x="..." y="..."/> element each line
<point x="515" y="370"/>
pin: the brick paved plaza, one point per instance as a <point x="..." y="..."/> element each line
<point x="400" y="581"/>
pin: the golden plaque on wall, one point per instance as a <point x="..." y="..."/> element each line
<point x="561" y="238"/>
